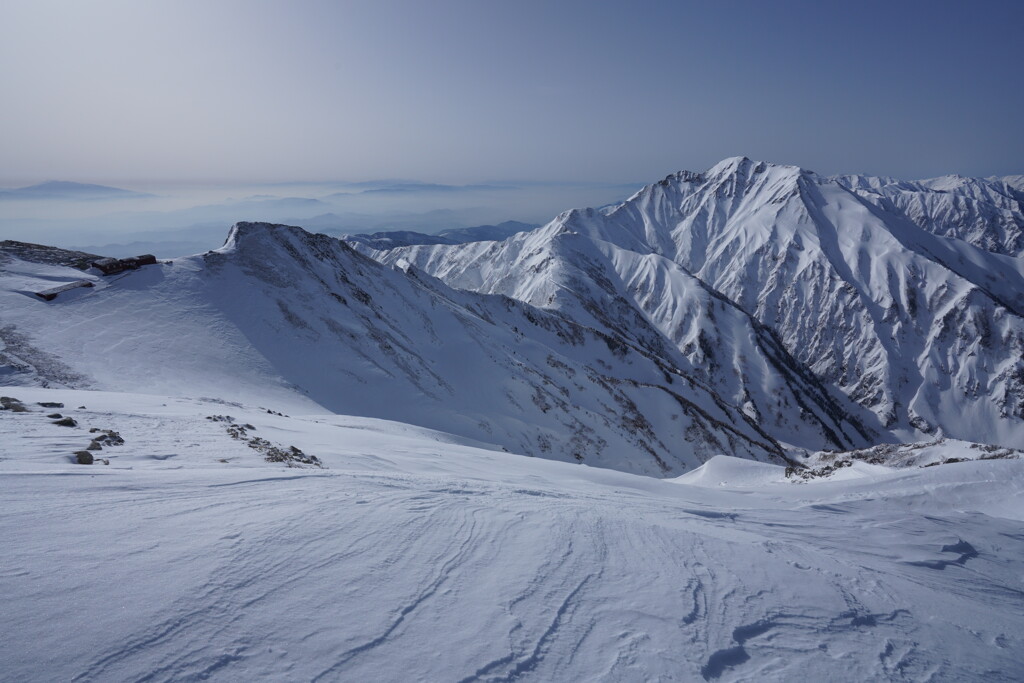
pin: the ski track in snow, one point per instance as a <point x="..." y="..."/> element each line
<point x="414" y="559"/>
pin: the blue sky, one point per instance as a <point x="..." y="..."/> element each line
<point x="460" y="91"/>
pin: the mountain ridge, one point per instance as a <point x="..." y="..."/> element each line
<point x="751" y="309"/>
<point x="290" y="318"/>
<point x="852" y="284"/>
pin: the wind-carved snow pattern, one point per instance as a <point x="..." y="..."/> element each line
<point x="189" y="557"/>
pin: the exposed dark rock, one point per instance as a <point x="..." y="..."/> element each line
<point x="814" y="473"/>
<point x="38" y="253"/>
<point x="50" y="404"/>
<point x="84" y="457"/>
<point x="12" y="404"/>
<point x="107" y="437"/>
<point x="290" y="456"/>
<point x="66" y="422"/>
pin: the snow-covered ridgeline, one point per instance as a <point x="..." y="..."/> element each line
<point x="301" y="320"/>
<point x="986" y="212"/>
<point x="920" y="328"/>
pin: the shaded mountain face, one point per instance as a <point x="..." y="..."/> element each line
<point x="901" y="296"/>
<point x="290" y="320"/>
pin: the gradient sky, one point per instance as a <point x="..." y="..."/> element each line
<point x="471" y="91"/>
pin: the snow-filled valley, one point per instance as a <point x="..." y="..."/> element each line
<point x="750" y="424"/>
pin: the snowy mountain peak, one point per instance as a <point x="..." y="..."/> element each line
<point x="683" y="177"/>
<point x="888" y="293"/>
<point x="780" y="310"/>
<point x="731" y="165"/>
<point x="733" y="177"/>
<point x="746" y="167"/>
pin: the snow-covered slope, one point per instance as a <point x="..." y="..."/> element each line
<point x="658" y="307"/>
<point x="914" y="324"/>
<point x="300" y="322"/>
<point x="986" y="212"/>
<point x="413" y="556"/>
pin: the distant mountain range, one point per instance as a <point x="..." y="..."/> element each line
<point x="411" y="187"/>
<point x="404" y="238"/>
<point x="63" y="190"/>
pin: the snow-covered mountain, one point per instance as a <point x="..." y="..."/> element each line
<point x="988" y="213"/>
<point x="746" y="310"/>
<point x="297" y="467"/>
<point x="301" y="321"/>
<point x="904" y="297"/>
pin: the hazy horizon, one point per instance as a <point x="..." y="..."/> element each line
<point x="552" y="106"/>
<point x="118" y="92"/>
<point x="178" y="220"/>
<point x="172" y="220"/>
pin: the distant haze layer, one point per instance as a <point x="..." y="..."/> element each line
<point x="174" y="220"/>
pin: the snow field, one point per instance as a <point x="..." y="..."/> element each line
<point x="416" y="556"/>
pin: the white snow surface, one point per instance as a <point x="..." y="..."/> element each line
<point x="415" y="555"/>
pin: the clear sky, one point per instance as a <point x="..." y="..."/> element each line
<point x="478" y="90"/>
